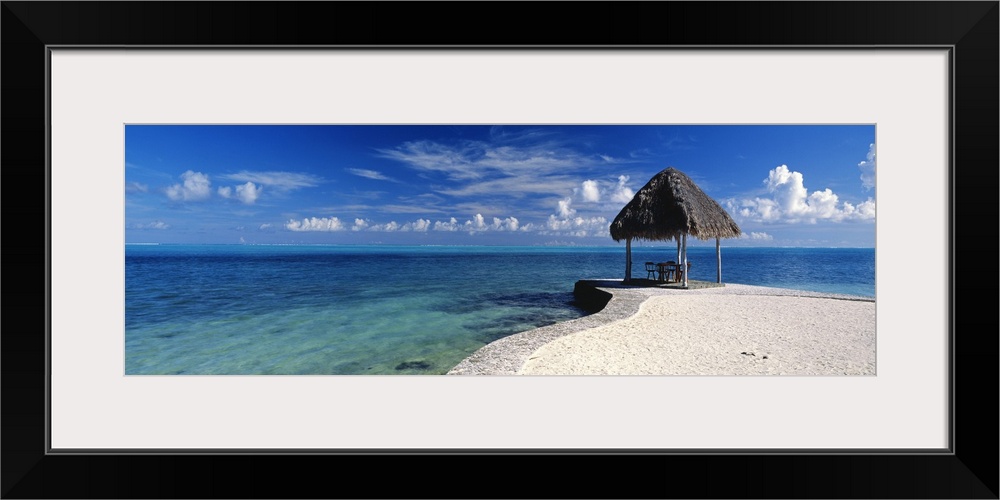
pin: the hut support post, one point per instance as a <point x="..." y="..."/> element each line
<point x="718" y="261"/>
<point x="684" y="265"/>
<point x="628" y="259"/>
<point x="678" y="250"/>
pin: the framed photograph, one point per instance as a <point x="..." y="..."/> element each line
<point x="197" y="170"/>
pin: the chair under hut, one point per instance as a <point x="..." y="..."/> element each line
<point x="670" y="207"/>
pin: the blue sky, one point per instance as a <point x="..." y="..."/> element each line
<point x="785" y="185"/>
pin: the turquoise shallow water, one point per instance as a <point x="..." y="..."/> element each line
<point x="359" y="310"/>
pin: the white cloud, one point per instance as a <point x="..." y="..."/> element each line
<point x="282" y="181"/>
<point x="622" y="193"/>
<point x="135" y="187"/>
<point x="823" y="204"/>
<point x="508" y="224"/>
<point x="389" y="226"/>
<point x="868" y="169"/>
<point x="478" y="223"/>
<point x="475" y="159"/>
<point x="789" y="191"/>
<point x="762" y="209"/>
<point x="457" y="163"/>
<point x="196" y="187"/>
<point x="591" y="191"/>
<point x="866" y="209"/>
<point x="564" y="209"/>
<point x="578" y="226"/>
<point x="248" y="193"/>
<point x="566" y="222"/>
<point x="511" y="165"/>
<point x="419" y="225"/>
<point x="369" y="174"/>
<point x="265" y="226"/>
<point x="315" y="224"/>
<point x="152" y="225"/>
<point x="756" y="236"/>
<point x="790" y="201"/>
<point x="451" y="225"/>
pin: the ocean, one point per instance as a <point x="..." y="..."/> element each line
<point x="366" y="310"/>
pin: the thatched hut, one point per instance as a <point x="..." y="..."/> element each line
<point x="669" y="207"/>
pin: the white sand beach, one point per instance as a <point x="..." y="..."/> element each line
<point x="733" y="330"/>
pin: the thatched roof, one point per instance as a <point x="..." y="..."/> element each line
<point x="669" y="205"/>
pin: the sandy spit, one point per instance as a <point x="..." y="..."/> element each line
<point x="733" y="330"/>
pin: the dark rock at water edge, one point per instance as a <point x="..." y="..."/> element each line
<point x="413" y="365"/>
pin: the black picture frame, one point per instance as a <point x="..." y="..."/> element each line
<point x="969" y="28"/>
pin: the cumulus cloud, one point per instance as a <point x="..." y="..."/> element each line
<point x="566" y="221"/>
<point x="622" y="193"/>
<point x="508" y="224"/>
<point x="790" y="201"/>
<point x="761" y="236"/>
<point x="578" y="226"/>
<point x="478" y="223"/>
<point x="451" y="225"/>
<point x="868" y="169"/>
<point x="590" y="191"/>
<point x="247" y="193"/>
<point x="315" y="224"/>
<point x="419" y="225"/>
<point x="593" y="191"/>
<point x="789" y="191"/>
<point x="265" y="226"/>
<point x="864" y="210"/>
<point x="196" y="187"/>
<point x="388" y="226"/>
<point x="564" y="209"/>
